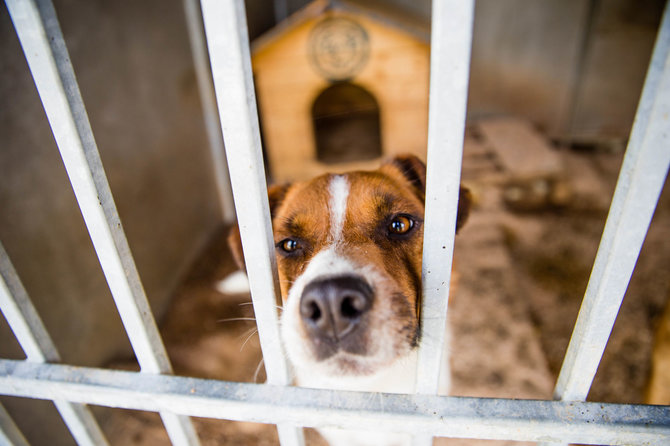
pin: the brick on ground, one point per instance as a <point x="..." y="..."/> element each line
<point x="478" y="160"/>
<point x="535" y="173"/>
<point x="522" y="151"/>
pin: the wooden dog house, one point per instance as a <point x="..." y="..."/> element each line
<point x="339" y="86"/>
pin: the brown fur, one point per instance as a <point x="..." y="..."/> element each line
<point x="310" y="198"/>
<point x="300" y="211"/>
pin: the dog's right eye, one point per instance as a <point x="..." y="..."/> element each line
<point x="288" y="245"/>
<point x="400" y="225"/>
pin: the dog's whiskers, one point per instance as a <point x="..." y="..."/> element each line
<point x="249" y="336"/>
<point x="233" y="319"/>
<point x="251" y="303"/>
<point x="258" y="369"/>
<point x="247" y="333"/>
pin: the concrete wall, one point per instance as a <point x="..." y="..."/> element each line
<point x="524" y="59"/>
<point x="573" y="67"/>
<point x="133" y="63"/>
<point x="619" y="42"/>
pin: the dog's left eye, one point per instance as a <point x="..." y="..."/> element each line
<point x="288" y="245"/>
<point x="401" y="224"/>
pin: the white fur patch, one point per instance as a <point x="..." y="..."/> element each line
<point x="339" y="193"/>
<point x="326" y="263"/>
<point x="234" y="283"/>
<point x="382" y="353"/>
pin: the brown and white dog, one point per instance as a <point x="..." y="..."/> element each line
<point x="349" y="257"/>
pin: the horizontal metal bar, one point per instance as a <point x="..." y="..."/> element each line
<point x="451" y="37"/>
<point x="640" y="183"/>
<point x="49" y="62"/>
<point x="524" y="420"/>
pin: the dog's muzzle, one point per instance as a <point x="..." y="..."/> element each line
<point x="333" y="311"/>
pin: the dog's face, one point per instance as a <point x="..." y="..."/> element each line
<point x="349" y="259"/>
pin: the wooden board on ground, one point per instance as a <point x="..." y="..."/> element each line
<point x="523" y="151"/>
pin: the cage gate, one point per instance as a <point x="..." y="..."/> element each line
<point x="567" y="419"/>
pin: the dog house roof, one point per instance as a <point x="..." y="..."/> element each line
<point x="383" y="13"/>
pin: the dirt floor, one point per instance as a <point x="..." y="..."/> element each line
<point x="523" y="262"/>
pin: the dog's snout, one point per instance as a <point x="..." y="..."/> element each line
<point x="333" y="308"/>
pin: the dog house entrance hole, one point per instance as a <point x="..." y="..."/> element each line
<point x="346" y="124"/>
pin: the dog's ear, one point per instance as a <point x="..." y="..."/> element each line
<point x="464" y="205"/>
<point x="235" y="246"/>
<point x="414" y="171"/>
<point x="276" y="194"/>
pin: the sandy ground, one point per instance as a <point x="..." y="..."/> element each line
<point x="522" y="274"/>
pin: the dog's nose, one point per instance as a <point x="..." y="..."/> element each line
<point x="332" y="308"/>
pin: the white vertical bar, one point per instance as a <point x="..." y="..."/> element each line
<point x="22" y="316"/>
<point x="451" y="42"/>
<point x="641" y="180"/>
<point x="62" y="102"/>
<point x="228" y="42"/>
<point x="9" y="432"/>
<point x="81" y="423"/>
<point x="210" y="111"/>
<point x="44" y="47"/>
<point x="451" y="38"/>
<point x="38" y="347"/>
<point x="225" y="25"/>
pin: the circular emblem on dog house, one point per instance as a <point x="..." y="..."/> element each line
<point x="338" y="48"/>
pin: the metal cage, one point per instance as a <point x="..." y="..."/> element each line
<point x="567" y="419"/>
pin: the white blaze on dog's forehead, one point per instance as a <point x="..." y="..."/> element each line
<point x="339" y="192"/>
